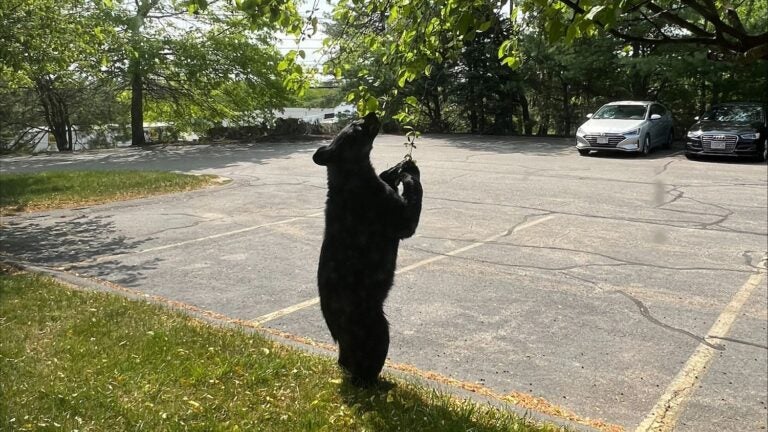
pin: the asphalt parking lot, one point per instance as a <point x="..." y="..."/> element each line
<point x="614" y="288"/>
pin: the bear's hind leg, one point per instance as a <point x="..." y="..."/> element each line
<point x="369" y="349"/>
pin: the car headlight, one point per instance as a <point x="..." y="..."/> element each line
<point x="751" y="136"/>
<point x="694" y="134"/>
<point x="580" y="132"/>
<point x="632" y="132"/>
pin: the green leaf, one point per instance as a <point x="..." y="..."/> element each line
<point x="485" y="26"/>
<point x="465" y="21"/>
<point x="371" y="104"/>
<point x="572" y="33"/>
<point x="402" y="79"/>
<point x="314" y="25"/>
<point x="504" y="48"/>
<point x="511" y="61"/>
<point x="594" y="11"/>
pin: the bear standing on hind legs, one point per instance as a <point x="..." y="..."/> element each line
<point x="365" y="218"/>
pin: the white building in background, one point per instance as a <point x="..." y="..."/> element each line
<point x="321" y="115"/>
<point x="110" y="137"/>
<point x="41" y="140"/>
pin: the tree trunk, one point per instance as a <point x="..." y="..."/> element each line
<point x="137" y="104"/>
<point x="471" y="102"/>
<point x="438" y="113"/>
<point x="527" y="124"/>
<point x="55" y="112"/>
<point x="543" y="126"/>
<point x="566" y="110"/>
<point x="638" y="83"/>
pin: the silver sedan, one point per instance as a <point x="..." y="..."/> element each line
<point x="626" y="126"/>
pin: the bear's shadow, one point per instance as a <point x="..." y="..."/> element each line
<point x="389" y="406"/>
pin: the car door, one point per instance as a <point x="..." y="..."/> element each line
<point x="658" y="127"/>
<point x="668" y="124"/>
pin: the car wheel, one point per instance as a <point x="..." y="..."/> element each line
<point x="646" y="149"/>
<point x="583" y="152"/>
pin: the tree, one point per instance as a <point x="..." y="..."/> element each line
<point x="735" y="32"/>
<point x="198" y="62"/>
<point x="412" y="35"/>
<point x="47" y="50"/>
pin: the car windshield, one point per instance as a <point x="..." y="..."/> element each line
<point x="621" y="112"/>
<point x="735" y="113"/>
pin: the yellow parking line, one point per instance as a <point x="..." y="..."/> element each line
<point x="664" y="415"/>
<point x="311" y="302"/>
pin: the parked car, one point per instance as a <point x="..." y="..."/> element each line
<point x="730" y="129"/>
<point x="626" y="126"/>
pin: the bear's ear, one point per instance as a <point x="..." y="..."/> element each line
<point x="322" y="156"/>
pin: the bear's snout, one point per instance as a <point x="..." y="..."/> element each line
<point x="371" y="124"/>
<point x="321" y="155"/>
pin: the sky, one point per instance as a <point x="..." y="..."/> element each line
<point x="314" y="44"/>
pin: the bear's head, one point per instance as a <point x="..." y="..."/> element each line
<point x="352" y="146"/>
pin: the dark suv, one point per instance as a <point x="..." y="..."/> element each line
<point x="730" y="129"/>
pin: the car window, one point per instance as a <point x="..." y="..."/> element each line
<point x="621" y="112"/>
<point x="735" y="113"/>
<point x="658" y="109"/>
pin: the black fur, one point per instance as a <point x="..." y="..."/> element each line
<point x="365" y="218"/>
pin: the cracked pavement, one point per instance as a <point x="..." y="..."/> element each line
<point x="595" y="306"/>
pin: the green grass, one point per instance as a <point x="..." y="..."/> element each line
<point x="74" y="360"/>
<point x="61" y="189"/>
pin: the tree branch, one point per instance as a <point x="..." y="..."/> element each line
<point x="712" y="16"/>
<point x="738" y="40"/>
<point x="677" y="20"/>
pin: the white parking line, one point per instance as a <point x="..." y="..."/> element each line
<point x="197" y="240"/>
<point x="664" y="415"/>
<point x="311" y="302"/>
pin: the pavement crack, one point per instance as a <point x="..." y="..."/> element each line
<point x="665" y="167"/>
<point x="687" y="224"/>
<point x="617" y="261"/>
<point x="678" y="194"/>
<point x="739" y="341"/>
<point x="570" y="267"/>
<point x="646" y="313"/>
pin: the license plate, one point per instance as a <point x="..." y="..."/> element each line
<point x="718" y="145"/>
<point x="602" y="140"/>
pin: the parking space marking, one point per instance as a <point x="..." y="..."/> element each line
<point x="313" y="301"/>
<point x="664" y="415"/>
<point x="196" y="240"/>
<point x="285" y="311"/>
<point x="521" y="400"/>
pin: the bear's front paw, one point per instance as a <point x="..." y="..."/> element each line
<point x="409" y="167"/>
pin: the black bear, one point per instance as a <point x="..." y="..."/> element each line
<point x="365" y="218"/>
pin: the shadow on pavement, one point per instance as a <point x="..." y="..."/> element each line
<point x="71" y="240"/>
<point x="169" y="158"/>
<point x="532" y="145"/>
<point x="657" y="153"/>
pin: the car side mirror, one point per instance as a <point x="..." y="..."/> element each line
<point x="696" y="118"/>
<point x="589" y="115"/>
<point x="655" y="116"/>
